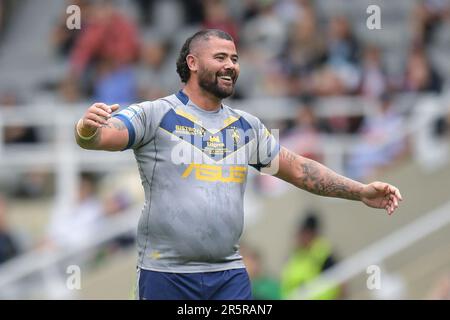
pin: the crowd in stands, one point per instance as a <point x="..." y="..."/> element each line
<point x="287" y="48"/>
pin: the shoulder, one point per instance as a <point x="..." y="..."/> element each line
<point x="153" y="108"/>
<point x="161" y="104"/>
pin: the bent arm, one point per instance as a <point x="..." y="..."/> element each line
<point x="112" y="136"/>
<point x="98" y="131"/>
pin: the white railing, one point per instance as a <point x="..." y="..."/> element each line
<point x="37" y="262"/>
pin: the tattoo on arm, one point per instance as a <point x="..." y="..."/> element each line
<point x="116" y="124"/>
<point x="314" y="177"/>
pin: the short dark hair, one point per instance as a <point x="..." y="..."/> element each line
<point x="182" y="67"/>
<point x="311" y="221"/>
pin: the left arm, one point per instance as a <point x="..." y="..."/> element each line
<point x="314" y="177"/>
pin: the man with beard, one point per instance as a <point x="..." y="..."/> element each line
<point x="193" y="153"/>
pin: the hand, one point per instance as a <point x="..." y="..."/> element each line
<point x="95" y="117"/>
<point x="381" y="195"/>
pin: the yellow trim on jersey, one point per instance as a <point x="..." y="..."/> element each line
<point x="188" y="116"/>
<point x="194" y="119"/>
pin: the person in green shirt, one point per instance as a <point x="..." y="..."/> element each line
<point x="312" y="255"/>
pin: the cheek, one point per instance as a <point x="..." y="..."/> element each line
<point x="237" y="72"/>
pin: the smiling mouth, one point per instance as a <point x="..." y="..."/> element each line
<point x="226" y="79"/>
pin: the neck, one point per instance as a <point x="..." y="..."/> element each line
<point x="202" y="98"/>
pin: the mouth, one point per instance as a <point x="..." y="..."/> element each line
<point x="226" y="79"/>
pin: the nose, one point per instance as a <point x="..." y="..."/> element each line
<point x="229" y="64"/>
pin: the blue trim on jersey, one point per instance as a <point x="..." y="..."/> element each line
<point x="171" y="120"/>
<point x="135" y="113"/>
<point x="130" y="127"/>
<point x="182" y="97"/>
<point x="273" y="153"/>
<point x="242" y="124"/>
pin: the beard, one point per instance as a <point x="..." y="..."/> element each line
<point x="209" y="81"/>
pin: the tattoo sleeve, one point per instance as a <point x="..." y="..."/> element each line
<point x="314" y="177"/>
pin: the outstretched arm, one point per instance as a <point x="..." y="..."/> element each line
<point x="314" y="177"/>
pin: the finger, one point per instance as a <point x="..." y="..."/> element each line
<point x="102" y="106"/>
<point x="397" y="193"/>
<point x="394" y="200"/>
<point x="388" y="210"/>
<point x="96" y="118"/>
<point x="391" y="210"/>
<point x="101" y="113"/>
<point x="394" y="190"/>
<point x="115" y="107"/>
<point x="90" y="123"/>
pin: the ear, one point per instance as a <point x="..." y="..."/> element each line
<point x="192" y="62"/>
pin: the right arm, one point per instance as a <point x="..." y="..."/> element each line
<point x="97" y="130"/>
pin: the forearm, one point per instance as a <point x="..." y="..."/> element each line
<point x="314" y="177"/>
<point x="90" y="144"/>
<point x="107" y="135"/>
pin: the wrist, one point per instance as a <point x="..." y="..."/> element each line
<point x="83" y="133"/>
<point x="361" y="192"/>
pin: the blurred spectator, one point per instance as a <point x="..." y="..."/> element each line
<point x="217" y="16"/>
<point x="145" y="8"/>
<point x="265" y="33"/>
<point x="304" y="137"/>
<point x="342" y="45"/>
<point x="264" y="287"/>
<point x="69" y="90"/>
<point x="33" y="184"/>
<point x="155" y="71"/>
<point x="108" y="35"/>
<point x="114" y="205"/>
<point x="62" y="38"/>
<point x="103" y="53"/>
<point x="420" y="76"/>
<point x="6" y="9"/>
<point x="71" y="227"/>
<point x="250" y="10"/>
<point x="9" y="99"/>
<point x="293" y="11"/>
<point x="304" y="52"/>
<point x="341" y="74"/>
<point x="381" y="146"/>
<point x="9" y="247"/>
<point x="373" y="77"/>
<point x="427" y="16"/>
<point x="115" y="85"/>
<point x="193" y="11"/>
<point x="312" y="255"/>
